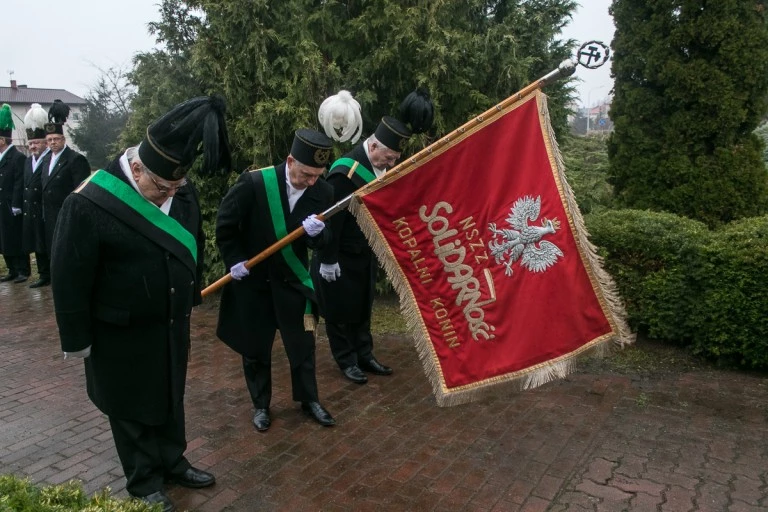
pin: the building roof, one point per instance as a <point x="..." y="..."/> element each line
<point x="28" y="95"/>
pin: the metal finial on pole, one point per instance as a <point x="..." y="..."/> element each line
<point x="593" y="54"/>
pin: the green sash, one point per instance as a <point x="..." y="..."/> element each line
<point x="271" y="185"/>
<point x="103" y="188"/>
<point x="358" y="173"/>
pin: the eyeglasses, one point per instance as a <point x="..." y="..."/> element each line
<point x="165" y="189"/>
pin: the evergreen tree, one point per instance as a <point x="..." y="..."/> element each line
<point x="691" y="83"/>
<point x="106" y="113"/>
<point x="164" y="77"/>
<point x="276" y="61"/>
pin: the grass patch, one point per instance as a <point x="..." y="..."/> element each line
<point x="645" y="357"/>
<point x="386" y="317"/>
<point x="20" y="495"/>
<point x="642" y="400"/>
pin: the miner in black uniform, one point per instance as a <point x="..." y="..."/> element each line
<point x="63" y="169"/>
<point x="126" y="268"/>
<point x="261" y="208"/>
<point x="33" y="240"/>
<point x="344" y="271"/>
<point x="11" y="191"/>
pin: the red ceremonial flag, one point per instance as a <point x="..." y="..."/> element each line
<point x="484" y="243"/>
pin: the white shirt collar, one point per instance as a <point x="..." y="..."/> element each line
<point x="293" y="193"/>
<point x="126" y="168"/>
<point x="36" y="161"/>
<point x="54" y="159"/>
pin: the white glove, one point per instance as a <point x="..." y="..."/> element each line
<point x="15" y="211"/>
<point x="312" y="225"/>
<point x="239" y="271"/>
<point x="330" y="272"/>
<point x="80" y="353"/>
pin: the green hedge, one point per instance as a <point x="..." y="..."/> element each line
<point x="20" y="495"/>
<point x="682" y="282"/>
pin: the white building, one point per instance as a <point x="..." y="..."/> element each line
<point x="21" y="98"/>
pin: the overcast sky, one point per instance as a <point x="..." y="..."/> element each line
<point x="62" y="45"/>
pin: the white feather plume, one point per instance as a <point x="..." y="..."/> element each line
<point x="340" y="117"/>
<point x="36" y="117"/>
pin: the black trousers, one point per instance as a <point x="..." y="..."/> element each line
<point x="288" y="307"/>
<point x="18" y="265"/>
<point x="43" y="265"/>
<point x="350" y="343"/>
<point x="150" y="454"/>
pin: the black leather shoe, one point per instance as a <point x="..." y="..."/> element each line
<point x="9" y="277"/>
<point x="20" y="278"/>
<point x="319" y="413"/>
<point x="375" y="367"/>
<point x="158" y="497"/>
<point x="193" y="478"/>
<point x="40" y="283"/>
<point x="261" y="420"/>
<point x="355" y="374"/>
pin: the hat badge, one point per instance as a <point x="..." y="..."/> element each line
<point x="322" y="156"/>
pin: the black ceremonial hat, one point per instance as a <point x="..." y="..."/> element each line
<point x="311" y="147"/>
<point x="174" y="141"/>
<point x="34" y="122"/>
<point x="57" y="116"/>
<point x="392" y="133"/>
<point x="417" y="110"/>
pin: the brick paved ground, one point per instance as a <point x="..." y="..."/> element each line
<point x="596" y="441"/>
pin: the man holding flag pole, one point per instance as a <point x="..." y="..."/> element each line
<point x="260" y="209"/>
<point x="497" y="279"/>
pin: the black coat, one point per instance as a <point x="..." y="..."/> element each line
<point x="243" y="230"/>
<point x="129" y="298"/>
<point x="11" y="189"/>
<point x="71" y="169"/>
<point x="350" y="297"/>
<point x="33" y="239"/>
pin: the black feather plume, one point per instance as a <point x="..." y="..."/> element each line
<point x="200" y="122"/>
<point x="417" y="110"/>
<point x="59" y="112"/>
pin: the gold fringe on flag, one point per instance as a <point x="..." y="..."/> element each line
<point x="607" y="291"/>
<point x="603" y="284"/>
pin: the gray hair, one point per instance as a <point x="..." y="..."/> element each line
<point x="132" y="154"/>
<point x="372" y="139"/>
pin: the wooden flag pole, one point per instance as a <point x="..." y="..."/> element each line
<point x="566" y="68"/>
<point x="272" y="249"/>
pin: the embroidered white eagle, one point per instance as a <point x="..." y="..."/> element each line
<point x="523" y="241"/>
